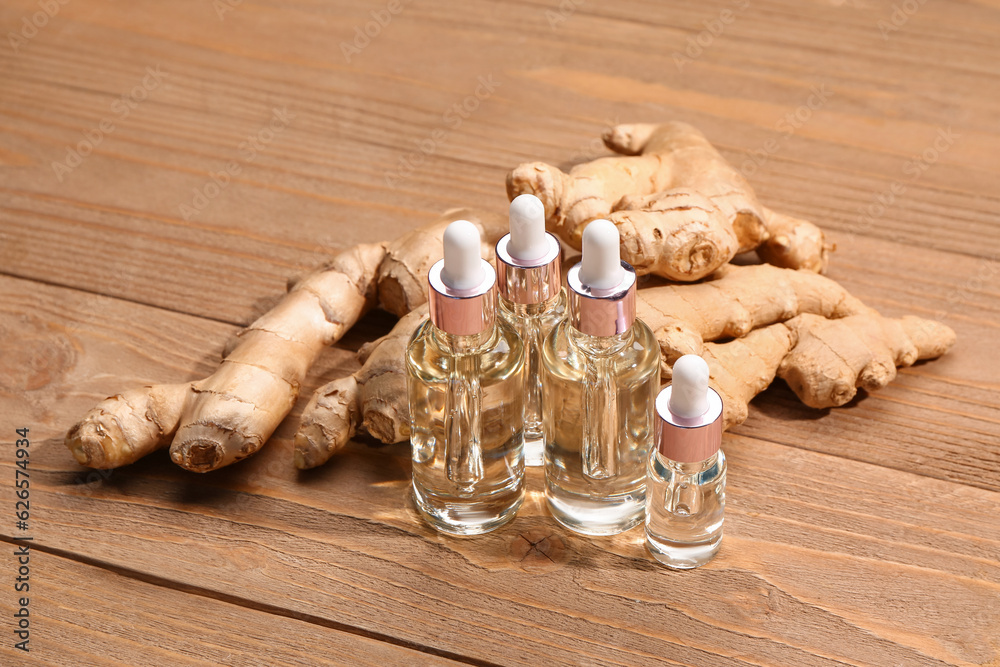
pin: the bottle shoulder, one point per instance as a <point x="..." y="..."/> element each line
<point x="644" y="335"/>
<point x="429" y="355"/>
<point x="637" y="355"/>
<point x="420" y="339"/>
<point x="507" y="340"/>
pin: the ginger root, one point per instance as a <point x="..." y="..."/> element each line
<point x="734" y="301"/>
<point x="824" y="361"/>
<point x="229" y="415"/>
<point x="682" y="210"/>
<point x="374" y="397"/>
<point x="402" y="277"/>
<point x="124" y="428"/>
<point x="795" y="324"/>
<point x="794" y="243"/>
<point x="833" y="358"/>
<point x="683" y="213"/>
<point x="677" y="234"/>
<point x="744" y="367"/>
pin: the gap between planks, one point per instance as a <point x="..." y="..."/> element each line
<point x="82" y="290"/>
<point x="275" y="610"/>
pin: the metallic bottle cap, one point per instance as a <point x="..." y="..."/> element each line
<point x="688" y="440"/>
<point x="601" y="312"/>
<point x="533" y="281"/>
<point x="462" y="312"/>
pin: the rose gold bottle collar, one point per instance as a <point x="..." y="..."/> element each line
<point x="533" y="281"/>
<point x="688" y="440"/>
<point x="606" y="312"/>
<point x="462" y="312"/>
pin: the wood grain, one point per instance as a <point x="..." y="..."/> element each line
<point x="353" y="123"/>
<point x="826" y="558"/>
<point x="863" y="535"/>
<point x="86" y="615"/>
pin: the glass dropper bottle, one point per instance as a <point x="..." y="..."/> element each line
<point x="686" y="485"/>
<point x="464" y="386"/>
<point x="600" y="373"/>
<point x="532" y="301"/>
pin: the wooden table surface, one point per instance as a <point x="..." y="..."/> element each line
<point x="867" y="535"/>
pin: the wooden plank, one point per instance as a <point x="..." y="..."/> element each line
<point x="826" y="559"/>
<point x="86" y="615"/>
<point x="355" y="121"/>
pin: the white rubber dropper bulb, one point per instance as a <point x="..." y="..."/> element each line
<point x="527" y="228"/>
<point x="689" y="387"/>
<point x="463" y="263"/>
<point x="601" y="265"/>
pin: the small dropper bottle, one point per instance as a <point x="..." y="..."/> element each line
<point x="532" y="301"/>
<point x="464" y="382"/>
<point x="686" y="485"/>
<point x="600" y="373"/>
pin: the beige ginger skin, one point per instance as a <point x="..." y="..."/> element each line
<point x="683" y="213"/>
<point x="793" y="324"/>
<point x="682" y="210"/>
<point x="228" y="416"/>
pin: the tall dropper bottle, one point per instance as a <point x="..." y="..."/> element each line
<point x="532" y="301"/>
<point x="602" y="278"/>
<point x="600" y="376"/>
<point x="464" y="380"/>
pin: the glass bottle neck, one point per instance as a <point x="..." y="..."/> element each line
<point x="529" y="309"/>
<point x="600" y="345"/>
<point x="695" y="468"/>
<point x="461" y="345"/>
